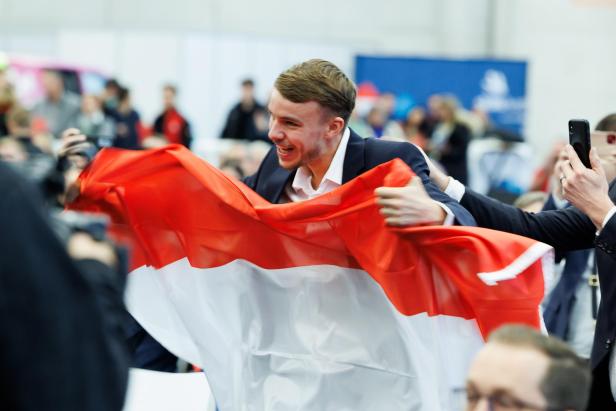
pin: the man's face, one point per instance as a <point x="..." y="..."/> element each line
<point x="248" y="92"/>
<point x="168" y="98"/>
<point x="52" y="83"/>
<point x="510" y="375"/>
<point x="300" y="131"/>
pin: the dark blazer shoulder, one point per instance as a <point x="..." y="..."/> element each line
<point x="366" y="153"/>
<point x="381" y="151"/>
<point x="270" y="179"/>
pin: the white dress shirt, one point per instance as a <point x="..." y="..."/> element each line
<point x="301" y="188"/>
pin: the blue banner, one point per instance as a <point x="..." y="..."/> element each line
<point x="497" y="87"/>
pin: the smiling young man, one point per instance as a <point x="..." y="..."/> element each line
<point x="315" y="151"/>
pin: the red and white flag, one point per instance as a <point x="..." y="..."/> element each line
<point x="314" y="305"/>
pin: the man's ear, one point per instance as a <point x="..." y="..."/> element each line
<point x="335" y="126"/>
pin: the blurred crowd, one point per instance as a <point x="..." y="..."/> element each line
<point x="490" y="160"/>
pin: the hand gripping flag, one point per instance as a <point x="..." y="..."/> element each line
<point x="315" y="305"/>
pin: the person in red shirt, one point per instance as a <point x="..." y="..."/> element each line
<point x="170" y="123"/>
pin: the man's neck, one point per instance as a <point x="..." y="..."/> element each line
<point x="319" y="167"/>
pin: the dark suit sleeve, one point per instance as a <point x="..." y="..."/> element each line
<point x="416" y="161"/>
<point x="606" y="240"/>
<point x="550" y="204"/>
<point x="565" y="230"/>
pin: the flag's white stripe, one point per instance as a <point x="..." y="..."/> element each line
<point x="533" y="254"/>
<point x="305" y="338"/>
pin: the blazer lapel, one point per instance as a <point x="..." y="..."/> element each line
<point x="276" y="183"/>
<point x="354" y="159"/>
<point x="612" y="190"/>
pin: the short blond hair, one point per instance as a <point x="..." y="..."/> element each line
<point x="320" y="81"/>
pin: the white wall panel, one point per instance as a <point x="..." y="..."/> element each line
<point x="92" y="48"/>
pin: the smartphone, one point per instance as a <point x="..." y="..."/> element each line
<point x="579" y="138"/>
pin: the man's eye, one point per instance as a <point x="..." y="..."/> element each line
<point x="505" y="402"/>
<point x="291" y="123"/>
<point x="472" y="397"/>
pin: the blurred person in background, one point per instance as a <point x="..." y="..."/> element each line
<point x="7" y="96"/>
<point x="412" y="127"/>
<point x="431" y="117"/>
<point x="232" y="168"/>
<point x="236" y="153"/>
<point x="477" y="121"/>
<point x="244" y="121"/>
<point x="110" y="97"/>
<point x="541" y="178"/>
<point x="59" y="108"/>
<point x="93" y="121"/>
<point x="11" y="151"/>
<point x="381" y="126"/>
<point x="358" y="124"/>
<point x="386" y="103"/>
<point x="255" y="153"/>
<point x="450" y="138"/>
<point x="521" y="369"/>
<point x="376" y="119"/>
<point x="170" y="122"/>
<point x="19" y="125"/>
<point x="127" y="122"/>
<point x="500" y="165"/>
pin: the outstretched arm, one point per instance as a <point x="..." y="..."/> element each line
<point x="421" y="202"/>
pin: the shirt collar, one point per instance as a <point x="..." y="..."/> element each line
<point x="302" y="180"/>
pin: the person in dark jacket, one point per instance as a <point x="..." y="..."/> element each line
<point x="449" y="139"/>
<point x="170" y="123"/>
<point x="247" y="119"/>
<point x="60" y="348"/>
<point x="126" y="123"/>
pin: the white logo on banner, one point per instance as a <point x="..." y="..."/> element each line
<point x="495" y="97"/>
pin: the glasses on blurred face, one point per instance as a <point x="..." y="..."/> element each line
<point x="470" y="399"/>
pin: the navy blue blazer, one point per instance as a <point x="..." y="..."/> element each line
<point x="361" y="155"/>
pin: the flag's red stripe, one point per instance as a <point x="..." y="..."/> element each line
<point x="173" y="205"/>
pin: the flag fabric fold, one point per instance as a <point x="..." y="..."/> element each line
<point x="314" y="305"/>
